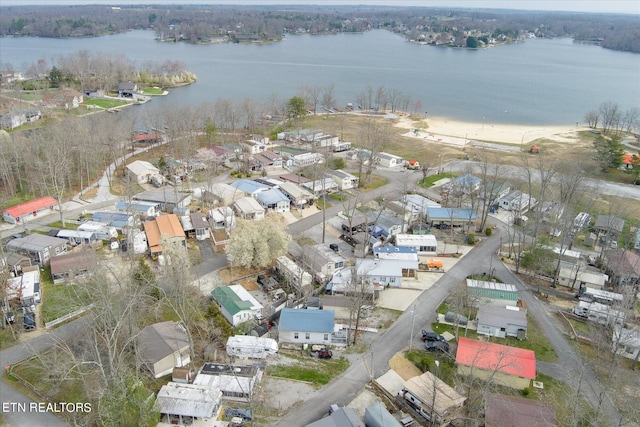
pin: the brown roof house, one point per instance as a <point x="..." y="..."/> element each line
<point x="165" y="229"/>
<point x="509" y="411"/>
<point x="164" y="346"/>
<point x="66" y="99"/>
<point x="623" y="267"/>
<point x="73" y="265"/>
<point x="433" y="398"/>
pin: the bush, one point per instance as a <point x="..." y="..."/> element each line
<point x="526" y="391"/>
<point x="471" y="239"/>
<point x="488" y="231"/>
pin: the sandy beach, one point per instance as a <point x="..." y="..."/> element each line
<point x="444" y="130"/>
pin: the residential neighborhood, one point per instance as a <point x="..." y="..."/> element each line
<point x="329" y="287"/>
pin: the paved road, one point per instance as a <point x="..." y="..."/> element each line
<point x="23" y="351"/>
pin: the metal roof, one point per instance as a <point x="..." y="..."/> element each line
<point x="449" y="214"/>
<point x="293" y="319"/>
<point x="188" y="400"/>
<point x="271" y="197"/>
<point x="249" y="186"/>
<point x="35" y="242"/>
<point x="501" y="317"/>
<point x="493" y="290"/>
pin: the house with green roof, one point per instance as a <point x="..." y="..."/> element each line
<point x="237" y="304"/>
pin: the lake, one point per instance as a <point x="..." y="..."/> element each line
<point x="539" y="82"/>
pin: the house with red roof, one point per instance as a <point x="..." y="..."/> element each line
<point x="500" y="364"/>
<point x="24" y="212"/>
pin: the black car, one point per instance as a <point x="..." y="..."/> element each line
<point x="441" y="346"/>
<point x="350" y="240"/>
<point x="431" y="336"/>
<point x="29" y="321"/>
<point x="334" y="247"/>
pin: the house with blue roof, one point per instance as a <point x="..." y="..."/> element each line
<point x="464" y="184"/>
<point x="309" y="327"/>
<point x="451" y="217"/>
<point x="396" y="252"/>
<point x="274" y="200"/>
<point x="250" y="187"/>
<point x="122" y="221"/>
<point x="142" y="209"/>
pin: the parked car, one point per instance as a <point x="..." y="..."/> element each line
<point x="29" y="321"/>
<point x="334" y="247"/>
<point x="324" y="353"/>
<point x="350" y="240"/>
<point x="431" y="336"/>
<point x="455" y="318"/>
<point x="245" y="414"/>
<point x="441" y="346"/>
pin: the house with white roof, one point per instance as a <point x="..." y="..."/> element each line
<point x="222" y="218"/>
<point x="252" y="146"/>
<point x="426" y="244"/>
<point x="501" y="322"/>
<point x="575" y="278"/>
<point x="188" y="404"/>
<point x="222" y="194"/>
<point x="626" y="342"/>
<point x="345" y="282"/>
<point x="389" y="160"/>
<point x="248" y="208"/>
<point x="168" y="198"/>
<point x="295" y="275"/>
<point x="344" y="179"/>
<point x="236" y="382"/>
<point x="237" y="304"/>
<point x="403" y="253"/>
<point x="319" y="186"/>
<point x="304" y="159"/>
<point x="141" y="209"/>
<point x="386" y="272"/>
<point x="517" y="201"/>
<point x="141" y="171"/>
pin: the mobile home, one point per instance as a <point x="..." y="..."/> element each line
<point x="103" y="231"/>
<point x="250" y="347"/>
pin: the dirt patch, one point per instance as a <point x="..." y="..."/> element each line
<point x="403" y="367"/>
<point x="231" y="274"/>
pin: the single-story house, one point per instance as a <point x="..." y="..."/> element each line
<point x="339" y="417"/>
<point x="78" y="237"/>
<point x="623" y="267"/>
<point x="508" y="366"/>
<point x="141" y="171"/>
<point x="389" y="160"/>
<point x="122" y="221"/>
<point x="201" y="226"/>
<point x="344" y="283"/>
<point x="403" y="253"/>
<point x="38" y="247"/>
<point x="451" y="216"/>
<point x="482" y="292"/>
<point x="303" y="160"/>
<point x="386" y="272"/>
<point x="517" y="201"/>
<point x="412" y="206"/>
<point x="222" y="194"/>
<point x="237" y="304"/>
<point x="319" y="186"/>
<point x="298" y="196"/>
<point x="501" y="322"/>
<point x="14" y="262"/>
<point x="425" y="244"/>
<point x="222" y="218"/>
<point x="461" y="185"/>
<point x="510" y="411"/>
<point x="186" y="404"/>
<point x="390" y="223"/>
<point x="494" y="190"/>
<point x="16" y="118"/>
<point x="249" y="187"/>
<point x="310" y="327"/>
<point x="573" y="278"/>
<point x="344" y="179"/>
<point x="142" y="209"/>
<point x="274" y="200"/>
<point x="322" y="261"/>
<point x="25" y="212"/>
<point x="268" y="160"/>
<point x="432" y="398"/>
<point x="626" y="342"/>
<point x="165" y="229"/>
<point x="236" y="382"/>
<point x="168" y="199"/>
<point x="292" y="177"/>
<point x="163" y="346"/>
<point x="253" y="147"/>
<point x="66" y="99"/>
<point x="248" y="208"/>
<point x="73" y="265"/>
<point x="127" y="89"/>
<point x="609" y="225"/>
<point x="25" y="287"/>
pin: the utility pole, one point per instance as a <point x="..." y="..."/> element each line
<point x="413" y="320"/>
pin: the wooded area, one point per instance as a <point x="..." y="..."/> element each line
<point x="202" y="24"/>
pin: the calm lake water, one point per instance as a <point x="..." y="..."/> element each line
<point x="536" y="83"/>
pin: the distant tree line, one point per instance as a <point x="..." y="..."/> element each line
<point x="202" y="23"/>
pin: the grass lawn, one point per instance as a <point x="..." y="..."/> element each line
<point x="61" y="299"/>
<point x="375" y="182"/>
<point x="337" y="196"/>
<point x="152" y="91"/>
<point x="69" y="225"/>
<point x="428" y="183"/>
<point x="322" y="204"/>
<point x="317" y="372"/>
<point x="105" y="103"/>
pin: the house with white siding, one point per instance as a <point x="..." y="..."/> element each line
<point x="237" y="304"/>
<point x="306" y="327"/>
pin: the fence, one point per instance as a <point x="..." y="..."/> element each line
<point x="68" y="316"/>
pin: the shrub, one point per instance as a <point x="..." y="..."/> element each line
<point x="526" y="391"/>
<point x="471" y="239"/>
<point x="488" y="231"/>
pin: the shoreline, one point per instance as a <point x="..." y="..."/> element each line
<point x="461" y="133"/>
